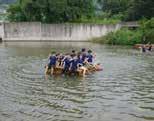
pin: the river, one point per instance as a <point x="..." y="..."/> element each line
<point x="123" y="91"/>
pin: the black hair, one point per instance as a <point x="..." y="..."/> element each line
<point x="83" y="50"/>
<point x="73" y="51"/>
<point x="57" y="54"/>
<point x="89" y="51"/>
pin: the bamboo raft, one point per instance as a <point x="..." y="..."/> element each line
<point x="59" y="71"/>
<point x="138" y="46"/>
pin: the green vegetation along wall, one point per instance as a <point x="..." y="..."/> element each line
<point x="144" y="34"/>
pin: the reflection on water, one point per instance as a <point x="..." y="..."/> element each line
<point x="124" y="91"/>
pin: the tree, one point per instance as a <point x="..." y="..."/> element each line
<point x="52" y="11"/>
<point x="15" y="13"/>
<point x="141" y="9"/>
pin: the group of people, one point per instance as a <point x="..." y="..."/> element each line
<point x="146" y="48"/>
<point x="71" y="63"/>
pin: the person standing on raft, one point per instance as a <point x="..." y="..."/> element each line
<point x="52" y="63"/>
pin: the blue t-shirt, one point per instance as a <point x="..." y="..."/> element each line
<point x="52" y="60"/>
<point x="79" y="61"/>
<point x="84" y="56"/>
<point x="66" y="63"/>
<point x="90" y="58"/>
<point x="74" y="64"/>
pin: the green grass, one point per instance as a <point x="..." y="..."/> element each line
<point x="121" y="37"/>
<point x="97" y="21"/>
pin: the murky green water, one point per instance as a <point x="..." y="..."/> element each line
<point x="124" y="91"/>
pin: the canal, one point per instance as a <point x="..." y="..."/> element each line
<point x="123" y="91"/>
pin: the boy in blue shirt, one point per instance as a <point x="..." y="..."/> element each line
<point x="90" y="57"/>
<point x="52" y="63"/>
<point x="83" y="54"/>
<point x="66" y="63"/>
<point x="80" y="66"/>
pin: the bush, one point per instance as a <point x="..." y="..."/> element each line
<point x="125" y="36"/>
<point x="147" y="27"/>
<point x="121" y="37"/>
<point x="96" y="20"/>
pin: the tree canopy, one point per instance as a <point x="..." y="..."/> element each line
<point x="50" y="11"/>
<point x="131" y="10"/>
<point x="57" y="11"/>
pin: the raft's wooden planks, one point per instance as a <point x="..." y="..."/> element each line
<point x="59" y="70"/>
<point x="137" y="46"/>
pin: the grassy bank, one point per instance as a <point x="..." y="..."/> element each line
<point x="120" y="37"/>
<point x="126" y="36"/>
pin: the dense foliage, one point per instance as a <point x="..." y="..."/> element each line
<point x="124" y="36"/>
<point x="80" y="10"/>
<point x="147" y="28"/>
<point x="121" y="37"/>
<point x="50" y="10"/>
<point x="128" y="9"/>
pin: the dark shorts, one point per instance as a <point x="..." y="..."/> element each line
<point x="65" y="70"/>
<point x="51" y="66"/>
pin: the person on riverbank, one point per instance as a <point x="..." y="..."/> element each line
<point x="150" y="47"/>
<point x="143" y="48"/>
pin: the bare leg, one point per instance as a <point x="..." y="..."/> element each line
<point x="51" y="71"/>
<point x="46" y="70"/>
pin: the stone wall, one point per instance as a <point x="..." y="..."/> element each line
<point x="1" y="30"/>
<point x="35" y="31"/>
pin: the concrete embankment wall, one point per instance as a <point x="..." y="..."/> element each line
<point x="1" y="31"/>
<point x="35" y="31"/>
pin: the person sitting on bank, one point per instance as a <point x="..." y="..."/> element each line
<point x="150" y="47"/>
<point x="52" y="63"/>
<point x="143" y="48"/>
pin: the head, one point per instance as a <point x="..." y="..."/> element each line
<point x="73" y="51"/>
<point x="83" y="50"/>
<point x="58" y="55"/>
<point x="89" y="51"/>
